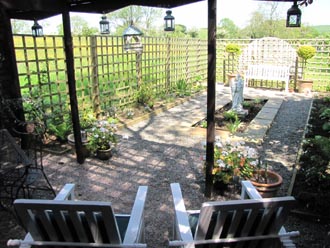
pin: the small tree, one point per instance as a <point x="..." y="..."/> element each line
<point x="233" y="51"/>
<point x="305" y="53"/>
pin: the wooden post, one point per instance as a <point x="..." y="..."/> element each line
<point x="138" y="68"/>
<point x="68" y="44"/>
<point x="95" y="78"/>
<point x="168" y="64"/>
<point x="211" y="81"/>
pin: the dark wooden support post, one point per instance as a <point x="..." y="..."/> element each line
<point x="68" y="44"/>
<point x="9" y="81"/>
<point x="211" y="81"/>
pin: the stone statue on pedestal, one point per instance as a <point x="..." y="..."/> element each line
<point x="237" y="87"/>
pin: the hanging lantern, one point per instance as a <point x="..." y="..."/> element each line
<point x="293" y="16"/>
<point x="37" y="29"/>
<point x="169" y="21"/>
<point x="132" y="39"/>
<point x="104" y="25"/>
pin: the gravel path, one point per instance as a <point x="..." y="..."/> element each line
<point x="162" y="150"/>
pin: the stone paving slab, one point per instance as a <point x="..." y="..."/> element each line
<point x="176" y="122"/>
<point x="267" y="113"/>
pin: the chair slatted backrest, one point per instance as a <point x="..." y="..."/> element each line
<point x="69" y="221"/>
<point x="243" y="218"/>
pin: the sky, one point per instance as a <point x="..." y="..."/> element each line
<point x="240" y="11"/>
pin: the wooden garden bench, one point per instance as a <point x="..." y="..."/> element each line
<point x="268" y="72"/>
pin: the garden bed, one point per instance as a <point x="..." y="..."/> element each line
<point x="312" y="183"/>
<point x="222" y="123"/>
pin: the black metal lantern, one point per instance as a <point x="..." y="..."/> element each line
<point x="104" y="25"/>
<point x="37" y="29"/>
<point x="132" y="39"/>
<point x="293" y="18"/>
<point x="169" y="21"/>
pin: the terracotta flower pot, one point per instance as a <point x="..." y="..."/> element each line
<point x="305" y="86"/>
<point x="270" y="188"/>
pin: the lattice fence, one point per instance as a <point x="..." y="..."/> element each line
<point x="318" y="68"/>
<point x="107" y="76"/>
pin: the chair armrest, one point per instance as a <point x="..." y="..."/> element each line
<point x="66" y="193"/>
<point x="182" y="227"/>
<point x="249" y="191"/>
<point x="135" y="227"/>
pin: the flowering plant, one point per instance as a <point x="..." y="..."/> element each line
<point x="102" y="135"/>
<point x="233" y="159"/>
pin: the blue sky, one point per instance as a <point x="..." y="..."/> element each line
<point x="240" y="11"/>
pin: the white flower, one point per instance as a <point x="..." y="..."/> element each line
<point x="254" y="163"/>
<point x="221" y="164"/>
<point x="218" y="144"/>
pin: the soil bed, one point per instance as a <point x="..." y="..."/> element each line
<point x="221" y="123"/>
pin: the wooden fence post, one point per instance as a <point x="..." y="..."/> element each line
<point x="168" y="64"/>
<point x="95" y="78"/>
<point x="138" y="68"/>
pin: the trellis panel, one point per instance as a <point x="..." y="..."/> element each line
<point x="107" y="76"/>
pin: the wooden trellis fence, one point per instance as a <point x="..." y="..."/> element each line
<point x="107" y="76"/>
<point x="318" y="67"/>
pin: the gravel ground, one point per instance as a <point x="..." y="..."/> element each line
<point x="162" y="150"/>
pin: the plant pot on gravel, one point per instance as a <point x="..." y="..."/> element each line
<point x="267" y="182"/>
<point x="305" y="53"/>
<point x="305" y="86"/>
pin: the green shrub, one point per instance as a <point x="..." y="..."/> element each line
<point x="230" y="115"/>
<point x="233" y="125"/>
<point x="182" y="88"/>
<point x="233" y="49"/>
<point x="144" y="94"/>
<point x="325" y="114"/>
<point x="306" y="52"/>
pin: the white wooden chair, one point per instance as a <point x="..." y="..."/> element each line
<point x="66" y="222"/>
<point x="244" y="223"/>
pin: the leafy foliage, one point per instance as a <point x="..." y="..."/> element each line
<point x="144" y="95"/>
<point x="233" y="159"/>
<point x="102" y="135"/>
<point x="306" y="52"/>
<point x="233" y="48"/>
<point x="231" y="115"/>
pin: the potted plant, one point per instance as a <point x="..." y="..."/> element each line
<point x="305" y="53"/>
<point x="266" y="181"/>
<point x="232" y="160"/>
<point x="102" y="138"/>
<point x="233" y="51"/>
